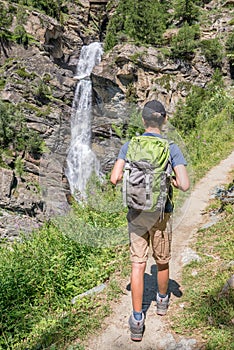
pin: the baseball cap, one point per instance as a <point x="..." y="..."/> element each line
<point x="151" y="107"/>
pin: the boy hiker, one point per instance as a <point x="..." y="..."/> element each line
<point x="150" y="225"/>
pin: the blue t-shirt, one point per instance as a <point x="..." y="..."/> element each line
<point x="176" y="155"/>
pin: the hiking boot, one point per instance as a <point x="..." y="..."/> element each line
<point x="162" y="305"/>
<point x="136" y="328"/>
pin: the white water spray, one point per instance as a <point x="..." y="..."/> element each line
<point x="81" y="160"/>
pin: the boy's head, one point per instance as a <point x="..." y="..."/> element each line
<point x="154" y="114"/>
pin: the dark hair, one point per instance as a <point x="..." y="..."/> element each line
<point x="154" y="114"/>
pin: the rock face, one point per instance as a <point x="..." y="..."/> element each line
<point x="127" y="76"/>
<point x="41" y="190"/>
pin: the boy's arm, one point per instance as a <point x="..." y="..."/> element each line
<point x="117" y="171"/>
<point x="181" y="180"/>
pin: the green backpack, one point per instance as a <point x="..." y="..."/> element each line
<point x="147" y="173"/>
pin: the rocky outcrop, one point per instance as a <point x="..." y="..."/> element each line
<point x="151" y="73"/>
<point x="41" y="189"/>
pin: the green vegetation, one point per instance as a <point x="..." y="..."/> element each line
<point x="213" y="51"/>
<point x="51" y="8"/>
<point x="14" y="133"/>
<point x="5" y="22"/>
<point x="145" y="25"/>
<point x="22" y="73"/>
<point x="183" y="45"/>
<point x="205" y="122"/>
<point x="39" y="278"/>
<point x="186" y="10"/>
<point x="208" y="313"/>
<point x="19" y="35"/>
<point x="42" y="92"/>
<point x="140" y="23"/>
<point x="230" y="48"/>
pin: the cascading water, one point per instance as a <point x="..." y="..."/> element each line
<point x="81" y="160"/>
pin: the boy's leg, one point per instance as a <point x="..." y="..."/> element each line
<point x="163" y="278"/>
<point x="137" y="285"/>
<point x="137" y="319"/>
<point x="161" y="236"/>
<point x="139" y="245"/>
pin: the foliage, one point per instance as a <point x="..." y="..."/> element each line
<point x="213" y="51"/>
<point x="230" y="47"/>
<point x="184" y="43"/>
<point x="206" y="123"/>
<point x="186" y="10"/>
<point x="41" y="274"/>
<point x="185" y="117"/>
<point x="53" y="8"/>
<point x="20" y="35"/>
<point x="230" y="43"/>
<point x="24" y="74"/>
<point x="19" y="166"/>
<point x="143" y="24"/>
<point x="204" y="281"/>
<point x="5" y="22"/>
<point x="42" y="92"/>
<point x="131" y="93"/>
<point x="186" y="114"/>
<point x="14" y="133"/>
<point x="2" y="83"/>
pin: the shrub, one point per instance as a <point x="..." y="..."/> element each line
<point x="186" y="10"/>
<point x="186" y="115"/>
<point x="230" y="43"/>
<point x="183" y="44"/>
<point x="52" y="8"/>
<point x="230" y="51"/>
<point x="14" y="132"/>
<point x="20" y="35"/>
<point x="5" y="22"/>
<point x="42" y="92"/>
<point x="206" y="123"/>
<point x="213" y="51"/>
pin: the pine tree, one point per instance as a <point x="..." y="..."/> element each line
<point x="186" y="10"/>
<point x="140" y="21"/>
<point x="5" y="35"/>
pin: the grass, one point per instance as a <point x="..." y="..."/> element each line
<point x="39" y="277"/>
<point x="207" y="313"/>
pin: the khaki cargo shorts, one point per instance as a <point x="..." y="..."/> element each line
<point x="145" y="228"/>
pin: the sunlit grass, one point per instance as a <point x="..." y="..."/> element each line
<point x="208" y="313"/>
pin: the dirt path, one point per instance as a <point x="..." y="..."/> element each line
<point x="157" y="336"/>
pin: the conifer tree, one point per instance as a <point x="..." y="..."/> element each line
<point x="5" y="35"/>
<point x="186" y="10"/>
<point x="143" y="22"/>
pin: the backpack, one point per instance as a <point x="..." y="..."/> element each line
<point x="147" y="170"/>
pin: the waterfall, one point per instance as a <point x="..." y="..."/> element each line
<point x="81" y="160"/>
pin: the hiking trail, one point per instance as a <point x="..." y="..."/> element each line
<point x="115" y="332"/>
